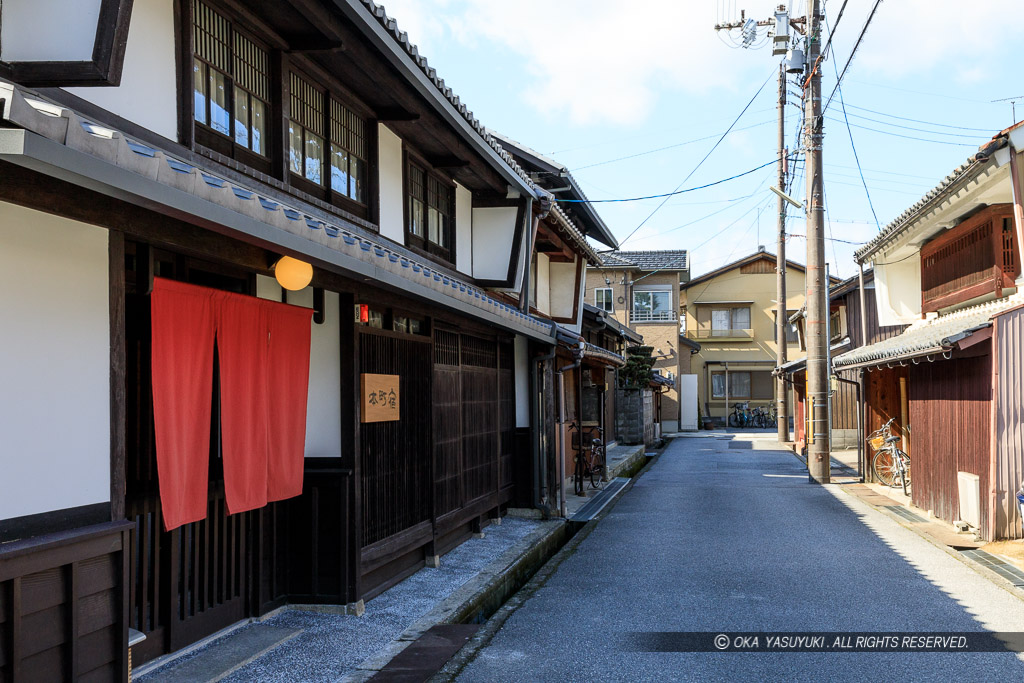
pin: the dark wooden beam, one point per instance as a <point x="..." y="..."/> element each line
<point x="386" y="114"/>
<point x="447" y="162"/>
<point x="116" y="269"/>
<point x="321" y="45"/>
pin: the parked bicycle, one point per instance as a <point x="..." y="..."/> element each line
<point x="741" y="416"/>
<point x="889" y="463"/>
<point x="590" y="462"/>
<point x="764" y="416"/>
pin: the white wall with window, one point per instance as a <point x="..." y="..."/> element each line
<point x="653" y="304"/>
<point x="603" y="299"/>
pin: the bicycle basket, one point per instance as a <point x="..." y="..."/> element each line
<point x="878" y="442"/>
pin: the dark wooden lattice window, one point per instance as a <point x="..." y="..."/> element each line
<point x="430" y="216"/>
<point x="230" y="84"/>
<point x="327" y="144"/>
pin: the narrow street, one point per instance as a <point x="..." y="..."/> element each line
<point x="726" y="535"/>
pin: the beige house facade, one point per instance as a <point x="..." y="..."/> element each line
<point x="730" y="312"/>
<point x="641" y="290"/>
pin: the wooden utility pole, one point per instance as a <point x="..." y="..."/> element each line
<point x="781" y="315"/>
<point x="818" y="448"/>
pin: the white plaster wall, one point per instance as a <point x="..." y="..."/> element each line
<point x="389" y="163"/>
<point x="898" y="291"/>
<point x="543" y="284"/>
<point x="48" y="30"/>
<point x="323" y="402"/>
<point x="54" y="363"/>
<point x="323" y="406"/>
<point x="463" y="230"/>
<point x="564" y="289"/>
<point x="148" y="94"/>
<point x="521" y="361"/>
<point x="493" y="231"/>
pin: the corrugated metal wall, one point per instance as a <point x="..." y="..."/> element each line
<point x="1009" y="343"/>
<point x="951" y="428"/>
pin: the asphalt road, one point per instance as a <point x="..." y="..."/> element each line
<point x="724" y="539"/>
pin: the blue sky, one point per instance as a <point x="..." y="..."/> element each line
<point x="591" y="82"/>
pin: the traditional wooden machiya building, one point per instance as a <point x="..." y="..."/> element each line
<point x="949" y="269"/>
<point x="267" y="333"/>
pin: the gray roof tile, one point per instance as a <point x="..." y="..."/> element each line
<point x="647" y="260"/>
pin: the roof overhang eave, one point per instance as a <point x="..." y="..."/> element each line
<point x="361" y="16"/>
<point x="33" y="151"/>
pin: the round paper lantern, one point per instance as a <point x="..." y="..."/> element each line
<point x="293" y="274"/>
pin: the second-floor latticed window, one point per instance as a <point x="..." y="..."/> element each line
<point x="430" y="217"/>
<point x="327" y="142"/>
<point x="231" y="83"/>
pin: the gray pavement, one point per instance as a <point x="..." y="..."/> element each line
<point x="724" y="533"/>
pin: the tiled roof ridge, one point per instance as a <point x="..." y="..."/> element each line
<point x="575" y="234"/>
<point x="402" y="38"/>
<point x="994" y="306"/>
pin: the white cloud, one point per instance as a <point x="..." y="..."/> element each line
<point x="607" y="61"/>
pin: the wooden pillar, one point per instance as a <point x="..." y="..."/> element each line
<point x="115" y="267"/>
<point x="350" y="445"/>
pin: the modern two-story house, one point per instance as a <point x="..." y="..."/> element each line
<point x="640" y="289"/>
<point x="268" y="335"/>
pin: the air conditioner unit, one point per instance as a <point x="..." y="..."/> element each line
<point x="969" y="488"/>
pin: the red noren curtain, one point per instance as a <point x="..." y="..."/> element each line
<point x="183" y="326"/>
<point x="263" y="349"/>
<point x="288" y="386"/>
<point x="242" y="348"/>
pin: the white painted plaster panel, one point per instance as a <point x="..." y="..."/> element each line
<point x="148" y="91"/>
<point x="323" y="406"/>
<point x="267" y="288"/>
<point x="389" y="163"/>
<point x="543" y="296"/>
<point x="48" y="30"/>
<point x="565" y="289"/>
<point x="521" y="358"/>
<point x="54" y="363"/>
<point x="493" y="232"/>
<point x="463" y="230"/>
<point x="898" y="292"/>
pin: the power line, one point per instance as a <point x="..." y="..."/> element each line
<point x="701" y="162"/>
<point x="662" y="149"/>
<point x="698" y="220"/>
<point x="905" y="137"/>
<point x="853" y="146"/>
<point x="667" y="194"/>
<point x="853" y="52"/>
<point x="919" y="130"/>
<point x="927" y="123"/>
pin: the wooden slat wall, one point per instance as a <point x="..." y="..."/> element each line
<point x="506" y="415"/>
<point x="876" y="333"/>
<point x="950" y="423"/>
<point x="62" y="606"/>
<point x="480" y="403"/>
<point x="844" y="404"/>
<point x="395" y="465"/>
<point x="447" y="393"/>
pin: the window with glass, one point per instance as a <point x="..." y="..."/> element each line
<point x="231" y="85"/>
<point x="653" y="306"/>
<point x="327" y="144"/>
<point x="729" y="322"/>
<point x="430" y="211"/>
<point x="792" y="334"/>
<point x="603" y="299"/>
<point x="739" y="384"/>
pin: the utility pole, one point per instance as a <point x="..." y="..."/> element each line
<point x="818" y="447"/>
<point x="781" y="315"/>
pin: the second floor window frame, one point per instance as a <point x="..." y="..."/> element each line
<point x="429" y="209"/>
<point x="603" y="299"/>
<point x="231" y="88"/>
<point x="653" y="312"/>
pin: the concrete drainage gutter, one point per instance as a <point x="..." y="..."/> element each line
<point x="516" y="599"/>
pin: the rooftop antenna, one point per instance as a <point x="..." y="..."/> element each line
<point x="1013" y="104"/>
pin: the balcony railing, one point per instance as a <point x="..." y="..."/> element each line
<point x="707" y="334"/>
<point x="653" y="317"/>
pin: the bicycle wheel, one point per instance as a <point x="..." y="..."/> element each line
<point x="883" y="467"/>
<point x="906" y="465"/>
<point x="734" y="419"/>
<point x="597" y="468"/>
<point x="577" y="478"/>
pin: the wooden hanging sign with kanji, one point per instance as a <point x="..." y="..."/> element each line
<point x="380" y="402"/>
